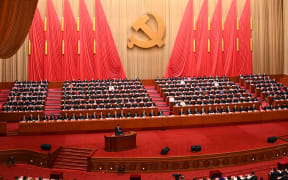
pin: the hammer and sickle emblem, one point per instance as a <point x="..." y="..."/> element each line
<point x="155" y="37"/>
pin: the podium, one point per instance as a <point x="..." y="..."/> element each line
<point x="120" y="143"/>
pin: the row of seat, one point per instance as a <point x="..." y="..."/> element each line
<point x="213" y="101"/>
<point x="89" y="116"/>
<point x="65" y="107"/>
<point x="217" y="108"/>
<point x="91" y="100"/>
<point x="267" y="89"/>
<point x="105" y="95"/>
<point x="217" y="93"/>
<point x="101" y="87"/>
<point x="99" y="92"/>
<point x="26" y="96"/>
<point x="125" y="80"/>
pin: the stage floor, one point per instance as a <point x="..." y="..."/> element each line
<point x="219" y="139"/>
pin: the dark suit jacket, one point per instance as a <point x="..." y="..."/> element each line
<point x="118" y="131"/>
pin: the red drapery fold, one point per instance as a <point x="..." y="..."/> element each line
<point x="37" y="47"/>
<point x="215" y="36"/>
<point x="53" y="59"/>
<point x="182" y="54"/>
<point x="230" y="41"/>
<point x="104" y="63"/>
<point x="87" y="58"/>
<point x="245" y="54"/>
<point x="70" y="37"/>
<point x="201" y="38"/>
<point x="15" y="20"/>
<point x="108" y="63"/>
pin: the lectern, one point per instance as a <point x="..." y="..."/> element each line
<point x="120" y="143"/>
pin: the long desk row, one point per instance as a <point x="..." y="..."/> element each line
<point x="111" y="111"/>
<point x="17" y="116"/>
<point x="151" y="122"/>
<point x="177" y="109"/>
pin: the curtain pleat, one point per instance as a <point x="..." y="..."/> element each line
<point x="53" y="59"/>
<point x="37" y="46"/>
<point x="245" y="53"/>
<point x="70" y="37"/>
<point x="215" y="36"/>
<point x="182" y="52"/>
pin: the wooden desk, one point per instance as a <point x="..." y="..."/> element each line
<point x="120" y="143"/>
<point x="3" y="128"/>
<point x="177" y="109"/>
<point x="150" y="122"/>
<point x="17" y="116"/>
<point x="111" y="111"/>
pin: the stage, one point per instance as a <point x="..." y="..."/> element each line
<point x="230" y="138"/>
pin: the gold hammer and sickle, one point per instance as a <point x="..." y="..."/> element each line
<point x="155" y="37"/>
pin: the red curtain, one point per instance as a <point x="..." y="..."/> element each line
<point x="109" y="64"/>
<point x="201" y="37"/>
<point x="215" y="36"/>
<point x="231" y="62"/>
<point x="55" y="66"/>
<point x="245" y="53"/>
<point x="230" y="41"/>
<point x="53" y="59"/>
<point x="71" y="37"/>
<point x="180" y="63"/>
<point x="87" y="58"/>
<point x="37" y="46"/>
<point x="15" y="20"/>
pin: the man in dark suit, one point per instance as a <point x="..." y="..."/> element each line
<point x="118" y="130"/>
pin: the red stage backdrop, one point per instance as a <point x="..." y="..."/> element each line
<point x="87" y="58"/>
<point x="97" y="57"/>
<point x="37" y="48"/>
<point x="182" y="58"/>
<point x="232" y="61"/>
<point x="109" y="64"/>
<point x="53" y="59"/>
<point x="201" y="39"/>
<point x="245" y="53"/>
<point x="215" y="36"/>
<point x="70" y="37"/>
<point x="230" y="41"/>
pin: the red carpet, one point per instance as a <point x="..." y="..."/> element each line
<point x="149" y="143"/>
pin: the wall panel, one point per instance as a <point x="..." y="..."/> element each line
<point x="268" y="34"/>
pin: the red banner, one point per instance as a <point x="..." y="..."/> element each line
<point x="180" y="63"/>
<point x="53" y="58"/>
<point x="245" y="53"/>
<point x="37" y="47"/>
<point x="215" y="37"/>
<point x="70" y="37"/>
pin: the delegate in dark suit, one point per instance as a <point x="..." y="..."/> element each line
<point x="118" y="131"/>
